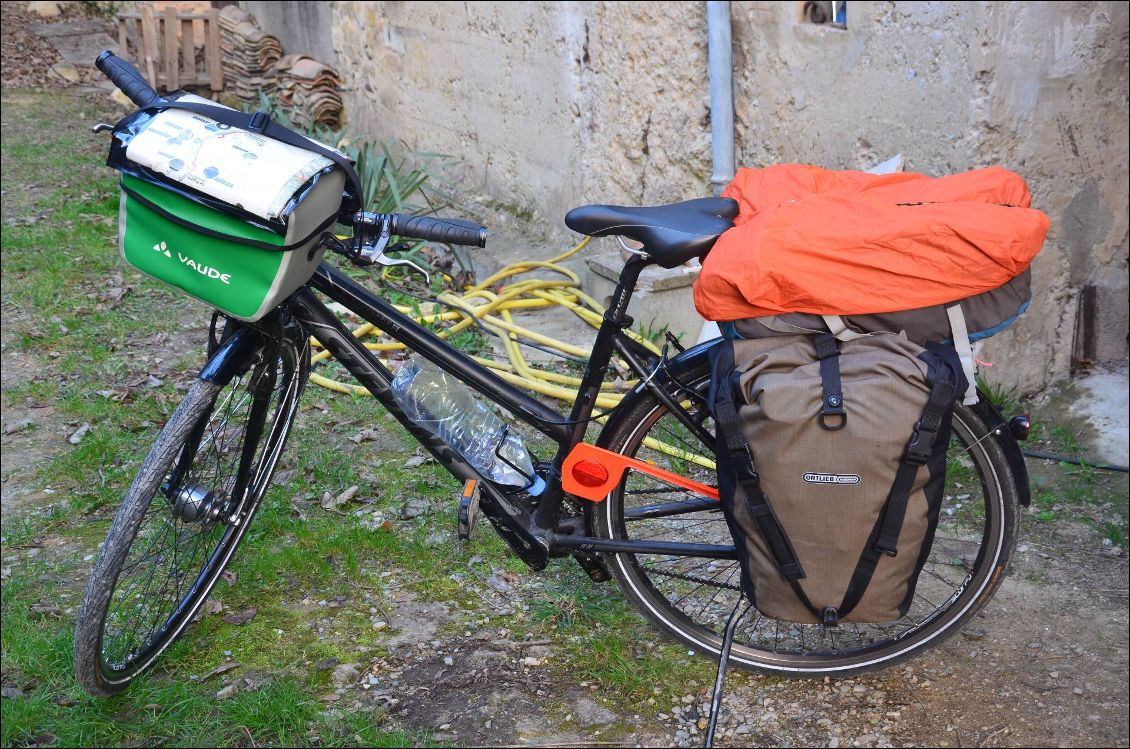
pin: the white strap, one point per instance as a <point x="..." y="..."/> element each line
<point x="838" y="328"/>
<point x="964" y="351"/>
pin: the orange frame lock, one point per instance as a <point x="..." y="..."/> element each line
<point x="591" y="473"/>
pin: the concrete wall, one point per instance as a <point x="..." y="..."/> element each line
<point x="552" y="104"/>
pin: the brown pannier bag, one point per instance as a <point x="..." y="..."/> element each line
<point x="831" y="468"/>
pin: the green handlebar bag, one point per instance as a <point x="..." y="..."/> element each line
<point x="231" y="216"/>
<point x="241" y="269"/>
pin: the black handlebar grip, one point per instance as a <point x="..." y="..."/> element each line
<point x="444" y="230"/>
<point x="125" y="76"/>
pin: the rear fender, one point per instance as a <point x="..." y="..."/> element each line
<point x="1008" y="445"/>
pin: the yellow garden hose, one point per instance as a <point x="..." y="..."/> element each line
<point x="492" y="304"/>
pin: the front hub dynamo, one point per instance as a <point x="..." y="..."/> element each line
<point x="198" y="504"/>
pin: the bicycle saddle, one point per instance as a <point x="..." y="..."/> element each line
<point x="671" y="234"/>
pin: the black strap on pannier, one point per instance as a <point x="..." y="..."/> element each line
<point x="832" y="399"/>
<point x="741" y="460"/>
<point x="884" y="536"/>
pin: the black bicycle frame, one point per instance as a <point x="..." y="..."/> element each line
<point x="531" y="526"/>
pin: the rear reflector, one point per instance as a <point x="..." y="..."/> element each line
<point x="590" y="473"/>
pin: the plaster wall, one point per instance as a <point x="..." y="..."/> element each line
<point x="1039" y="88"/>
<point x="302" y="27"/>
<point x="553" y="104"/>
<point x="547" y="104"/>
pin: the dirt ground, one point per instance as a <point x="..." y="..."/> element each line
<point x="1045" y="664"/>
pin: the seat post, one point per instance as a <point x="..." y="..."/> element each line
<point x="618" y="309"/>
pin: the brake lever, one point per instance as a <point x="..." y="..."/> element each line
<point x="389" y="262"/>
<point x="101" y="127"/>
<point x="371" y="245"/>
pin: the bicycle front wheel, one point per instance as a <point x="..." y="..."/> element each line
<point x="186" y="512"/>
<point x="690" y="598"/>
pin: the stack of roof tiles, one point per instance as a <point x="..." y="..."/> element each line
<point x="309" y="89"/>
<point x="248" y="54"/>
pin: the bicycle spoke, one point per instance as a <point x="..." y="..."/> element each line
<point x="169" y="555"/>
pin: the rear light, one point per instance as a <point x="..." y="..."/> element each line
<point x="590" y="473"/>
<point x="1020" y="426"/>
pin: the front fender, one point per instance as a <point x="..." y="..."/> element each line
<point x="232" y="355"/>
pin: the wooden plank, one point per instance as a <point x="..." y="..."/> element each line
<point x="200" y="35"/>
<point x="192" y="15"/>
<point x="149" y="44"/>
<point x="134" y="34"/>
<point x="212" y="51"/>
<point x="1084" y="345"/>
<point x="188" y="52"/>
<point x="123" y="38"/>
<point x="172" y="65"/>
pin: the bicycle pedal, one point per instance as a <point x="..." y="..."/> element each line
<point x="468" y="509"/>
<point x="593" y="567"/>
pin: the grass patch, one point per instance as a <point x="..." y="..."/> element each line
<point x="604" y="641"/>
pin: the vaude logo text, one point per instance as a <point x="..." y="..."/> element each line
<point x="831" y="478"/>
<point x="204" y="270"/>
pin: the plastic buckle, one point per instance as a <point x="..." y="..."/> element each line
<point x="744" y="464"/>
<point x="259" y="122"/>
<point x="917" y="451"/>
<point x="831" y="616"/>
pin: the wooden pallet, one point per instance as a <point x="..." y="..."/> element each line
<point x="173" y="48"/>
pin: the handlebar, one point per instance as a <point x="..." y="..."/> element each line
<point x="443" y="230"/>
<point x="127" y="78"/>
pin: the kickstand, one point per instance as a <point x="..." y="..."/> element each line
<point x="723" y="662"/>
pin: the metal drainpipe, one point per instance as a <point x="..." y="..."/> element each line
<point x="721" y="63"/>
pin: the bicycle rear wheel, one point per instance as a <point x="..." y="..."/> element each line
<point x="186" y="512"/>
<point x="691" y="598"/>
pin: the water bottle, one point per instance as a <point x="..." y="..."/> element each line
<point x="448" y="409"/>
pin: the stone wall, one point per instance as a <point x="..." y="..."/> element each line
<point x="552" y="104"/>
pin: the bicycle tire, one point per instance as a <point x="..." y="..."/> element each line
<point x="668" y="590"/>
<point x="177" y="469"/>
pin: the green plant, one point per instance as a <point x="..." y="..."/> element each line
<point x="394" y="179"/>
<point x="652" y="332"/>
<point x="1004" y="397"/>
<point x="1115" y="535"/>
